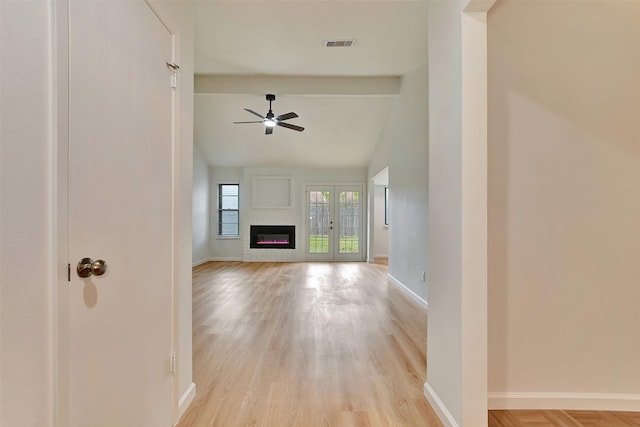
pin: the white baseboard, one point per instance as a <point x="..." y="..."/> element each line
<point x="440" y="409"/>
<point x="422" y="303"/>
<point x="381" y="256"/>
<point x="573" y="401"/>
<point x="214" y="258"/>
<point x="202" y="261"/>
<point x="186" y="399"/>
<point x="225" y="258"/>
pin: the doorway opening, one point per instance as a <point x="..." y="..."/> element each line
<point x="379" y="219"/>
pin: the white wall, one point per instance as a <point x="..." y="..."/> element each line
<point x="178" y="16"/>
<point x="403" y="146"/>
<point x="564" y="204"/>
<point x="222" y="248"/>
<point x="444" y="356"/>
<point x="457" y="328"/>
<point x="253" y="215"/>
<point x="300" y="178"/>
<point x="238" y="249"/>
<point x="379" y="229"/>
<point x="27" y="258"/>
<point x="201" y="213"/>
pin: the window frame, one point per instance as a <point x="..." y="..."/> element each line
<point x="221" y="210"/>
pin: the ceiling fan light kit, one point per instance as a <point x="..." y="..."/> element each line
<point x="270" y="120"/>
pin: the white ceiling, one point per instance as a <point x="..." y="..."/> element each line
<point x="245" y="49"/>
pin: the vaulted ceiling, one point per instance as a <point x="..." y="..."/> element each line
<point x="246" y="49"/>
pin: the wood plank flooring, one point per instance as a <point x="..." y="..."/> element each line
<point x="306" y="344"/>
<point x="563" y="419"/>
<point x="321" y="344"/>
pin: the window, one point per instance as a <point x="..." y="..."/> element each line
<point x="386" y="205"/>
<point x="228" y="212"/>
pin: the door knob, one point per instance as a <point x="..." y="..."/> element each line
<point x="98" y="267"/>
<point x="87" y="267"/>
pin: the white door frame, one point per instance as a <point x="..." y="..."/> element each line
<point x="334" y="254"/>
<point x="61" y="193"/>
<point x="473" y="223"/>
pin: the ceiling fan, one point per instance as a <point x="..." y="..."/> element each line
<point x="270" y="120"/>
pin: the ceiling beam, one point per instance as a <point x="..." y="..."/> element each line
<point x="306" y="86"/>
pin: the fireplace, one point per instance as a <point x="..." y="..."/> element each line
<point x="273" y="237"/>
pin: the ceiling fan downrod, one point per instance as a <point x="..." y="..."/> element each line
<point x="270" y="97"/>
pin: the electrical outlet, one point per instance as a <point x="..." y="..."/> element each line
<point x="423" y="276"/>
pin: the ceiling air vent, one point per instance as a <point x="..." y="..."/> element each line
<point x="338" y="43"/>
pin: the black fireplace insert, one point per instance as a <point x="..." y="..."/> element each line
<point x="273" y="237"/>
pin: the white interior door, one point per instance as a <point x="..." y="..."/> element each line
<point x="334" y="223"/>
<point x="120" y="204"/>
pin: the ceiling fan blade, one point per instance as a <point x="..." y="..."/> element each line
<point x="290" y="126"/>
<point x="257" y="121"/>
<point x="268" y="130"/>
<point x="287" y="116"/>
<point x="253" y="112"/>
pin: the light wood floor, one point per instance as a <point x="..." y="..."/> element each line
<point x="321" y="344"/>
<point x="563" y="419"/>
<point x="306" y="344"/>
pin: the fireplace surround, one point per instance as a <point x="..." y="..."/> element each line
<point x="272" y="237"/>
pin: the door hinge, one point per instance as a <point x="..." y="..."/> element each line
<point x="68" y="272"/>
<point x="173" y="363"/>
<point x="174" y="73"/>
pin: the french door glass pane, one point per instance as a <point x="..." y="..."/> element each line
<point x="349" y="222"/>
<point x="319" y="203"/>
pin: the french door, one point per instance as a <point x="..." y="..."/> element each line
<point x="335" y="223"/>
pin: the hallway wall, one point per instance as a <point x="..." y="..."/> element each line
<point x="201" y="203"/>
<point x="380" y="247"/>
<point x="403" y="146"/>
<point x="27" y="221"/>
<point x="564" y="205"/>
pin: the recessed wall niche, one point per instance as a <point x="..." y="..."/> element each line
<point x="272" y="192"/>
